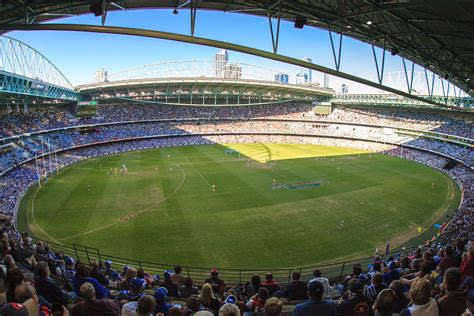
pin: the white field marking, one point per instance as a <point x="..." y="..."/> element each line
<point x="34" y="219"/>
<point x="192" y="165"/>
<point x="139" y="212"/>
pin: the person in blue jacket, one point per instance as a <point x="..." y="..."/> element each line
<point x="82" y="276"/>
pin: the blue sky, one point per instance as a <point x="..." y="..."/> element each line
<point x="78" y="55"/>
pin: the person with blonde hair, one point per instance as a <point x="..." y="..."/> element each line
<point x="208" y="299"/>
<point x="421" y="302"/>
<point x="273" y="307"/>
<point x="229" y="309"/>
<point x="130" y="274"/>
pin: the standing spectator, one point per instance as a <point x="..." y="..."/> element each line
<point x="271" y="285"/>
<point x="177" y="276"/>
<point x="188" y="288"/>
<point x="297" y="289"/>
<point x="453" y="303"/>
<point x="93" y="307"/>
<point x="316" y="305"/>
<point x="421" y="302"/>
<point x="218" y="285"/>
<point x="324" y="282"/>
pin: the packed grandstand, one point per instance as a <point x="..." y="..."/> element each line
<point x="439" y="140"/>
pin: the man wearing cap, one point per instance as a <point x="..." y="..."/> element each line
<point x="218" y="285"/>
<point x="354" y="301"/>
<point x="134" y="294"/>
<point x="110" y="273"/>
<point x="169" y="284"/>
<point x="162" y="305"/>
<point x="316" y="305"/>
<point x="69" y="272"/>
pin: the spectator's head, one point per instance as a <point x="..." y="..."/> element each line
<point x="405" y="263"/>
<point x="273" y="307"/>
<point x="269" y="277"/>
<point x="229" y="309"/>
<point x="377" y="266"/>
<point x="315" y="290"/>
<point x="131" y="273"/>
<point x="206" y="292"/>
<point x="356" y="269"/>
<point x="188" y="282"/>
<point x="256" y="281"/>
<point x="87" y="291"/>
<point x="82" y="271"/>
<point x="13" y="309"/>
<point x="140" y="273"/>
<point x="167" y="275"/>
<point x="420" y="291"/>
<point x="356" y="287"/>
<point x="24" y="292"/>
<point x="214" y="272"/>
<point x="415" y="265"/>
<point x="42" y="269"/>
<point x="452" y="279"/>
<point x="317" y="273"/>
<point x="175" y="311"/>
<point x="397" y="287"/>
<point x="177" y="269"/>
<point x="193" y="304"/>
<point x="377" y="278"/>
<point x="146" y="305"/>
<point x="69" y="262"/>
<point x="14" y="277"/>
<point x="385" y="302"/>
<point x="263" y="293"/>
<point x="448" y="251"/>
<point x="296" y="276"/>
<point x="137" y="286"/>
<point x="160" y="294"/>
<point x="9" y="262"/>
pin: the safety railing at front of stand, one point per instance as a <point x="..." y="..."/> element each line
<point x="332" y="270"/>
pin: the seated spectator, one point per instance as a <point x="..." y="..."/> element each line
<point x="324" y="282"/>
<point x="82" y="275"/>
<point x="162" y="305"/>
<point x="273" y="307"/>
<point x="448" y="261"/>
<point x="25" y="294"/>
<point x="297" y="289"/>
<point x="177" y="276"/>
<point x="421" y="302"/>
<point x="385" y="303"/>
<point x="453" y="303"/>
<point x="372" y="290"/>
<point x="271" y="285"/>
<point x="69" y="271"/>
<point x="354" y="301"/>
<point x="110" y="273"/>
<point x="134" y="294"/>
<point x="145" y="306"/>
<point x="400" y="299"/>
<point x="188" y="288"/>
<point x="193" y="305"/>
<point x="468" y="286"/>
<point x="467" y="263"/>
<point x="130" y="273"/>
<point x="218" y="285"/>
<point x="207" y="298"/>
<point x="13" y="279"/>
<point x="93" y="307"/>
<point x="13" y="309"/>
<point x="252" y="287"/>
<point x="169" y="284"/>
<point x="229" y="309"/>
<point x="257" y="302"/>
<point x="97" y="274"/>
<point x="48" y="289"/>
<point x="316" y="305"/>
<point x="391" y="274"/>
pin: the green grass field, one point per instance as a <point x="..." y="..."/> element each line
<point x="165" y="210"/>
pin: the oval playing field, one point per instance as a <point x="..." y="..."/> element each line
<point x="239" y="206"/>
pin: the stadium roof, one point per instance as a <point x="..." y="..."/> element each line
<point x="437" y="34"/>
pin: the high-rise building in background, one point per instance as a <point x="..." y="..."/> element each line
<point x="220" y="60"/>
<point x="308" y="71"/>
<point x="100" y="75"/>
<point x="301" y="78"/>
<point x="326" y="81"/>
<point x="232" y="71"/>
<point x="344" y="89"/>
<point x="282" y="77"/>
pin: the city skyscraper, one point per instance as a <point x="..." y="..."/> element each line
<point x="220" y="60"/>
<point x="100" y="75"/>
<point x="310" y="74"/>
<point x="326" y="81"/>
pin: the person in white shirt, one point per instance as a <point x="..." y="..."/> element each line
<point x="324" y="281"/>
